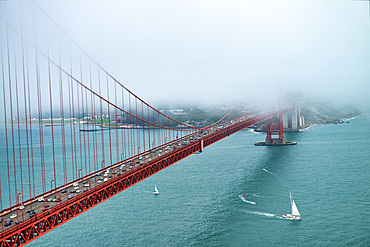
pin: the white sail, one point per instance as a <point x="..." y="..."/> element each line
<point x="156" y="190"/>
<point x="295" y="211"/>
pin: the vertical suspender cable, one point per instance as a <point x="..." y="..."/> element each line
<point x="101" y="122"/>
<point x="95" y="137"/>
<point x="51" y="104"/>
<point x="18" y="126"/>
<point x="124" y="129"/>
<point x="148" y="128"/>
<point x="5" y="124"/>
<point x="31" y="130"/>
<point x="39" y="111"/>
<point x="109" y="123"/>
<point x="71" y="114"/>
<point x="136" y="128"/>
<point x="25" y="108"/>
<point x="116" y="116"/>
<point x="62" y="114"/>
<point x="11" y="110"/>
<point x="71" y="126"/>
<point x="84" y="121"/>
<point x="154" y="130"/>
<point x="79" y="128"/>
<point x="93" y="120"/>
<point x="130" y="129"/>
<point x="143" y="126"/>
<point x="88" y="135"/>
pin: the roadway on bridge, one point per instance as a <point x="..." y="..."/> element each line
<point x="16" y="215"/>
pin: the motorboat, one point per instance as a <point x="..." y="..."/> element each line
<point x="245" y="199"/>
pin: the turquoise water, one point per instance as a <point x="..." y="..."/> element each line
<point x="87" y="157"/>
<point x="199" y="204"/>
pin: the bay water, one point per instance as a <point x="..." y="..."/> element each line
<point x="328" y="173"/>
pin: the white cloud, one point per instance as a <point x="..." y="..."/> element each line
<point x="213" y="50"/>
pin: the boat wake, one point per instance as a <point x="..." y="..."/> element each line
<point x="253" y="195"/>
<point x="245" y="200"/>
<point x="255" y="132"/>
<point x="350" y="118"/>
<point x="271" y="173"/>
<point x="305" y="129"/>
<point x="263" y="214"/>
<point x="148" y="191"/>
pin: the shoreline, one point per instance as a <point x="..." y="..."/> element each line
<point x="344" y="120"/>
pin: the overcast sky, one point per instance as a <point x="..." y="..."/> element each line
<point x="225" y="51"/>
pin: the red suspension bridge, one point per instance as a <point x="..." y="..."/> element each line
<point x="72" y="135"/>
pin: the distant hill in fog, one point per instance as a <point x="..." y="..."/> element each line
<point x="314" y="110"/>
<point x="319" y="112"/>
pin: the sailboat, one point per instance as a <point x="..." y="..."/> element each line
<point x="295" y="213"/>
<point x="156" y="192"/>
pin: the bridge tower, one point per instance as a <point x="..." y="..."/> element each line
<point x="274" y="127"/>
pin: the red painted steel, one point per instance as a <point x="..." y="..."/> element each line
<point x="275" y="128"/>
<point x="87" y="85"/>
<point x="281" y="131"/>
<point x="44" y="222"/>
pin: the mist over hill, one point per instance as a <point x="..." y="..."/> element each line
<point x="316" y="112"/>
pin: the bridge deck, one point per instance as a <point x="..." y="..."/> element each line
<point x="101" y="185"/>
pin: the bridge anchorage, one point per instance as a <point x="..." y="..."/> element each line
<point x="274" y="126"/>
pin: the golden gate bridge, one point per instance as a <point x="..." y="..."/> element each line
<point x="73" y="136"/>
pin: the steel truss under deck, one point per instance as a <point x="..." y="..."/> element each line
<point x="44" y="222"/>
